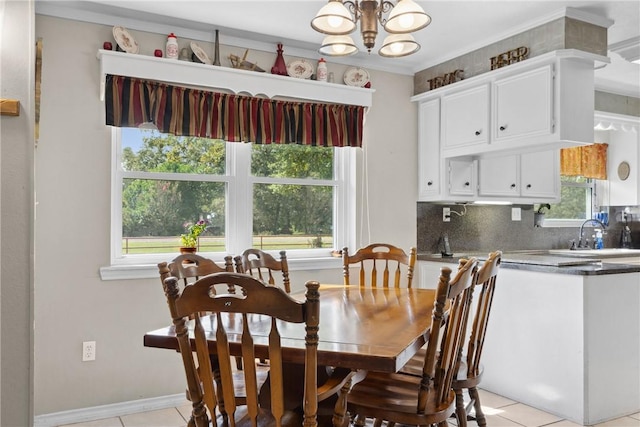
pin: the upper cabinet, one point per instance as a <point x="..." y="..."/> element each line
<point x="527" y="178"/>
<point x="429" y="150"/>
<point x="540" y="104"/>
<point x="522" y="105"/>
<point x="465" y="118"/>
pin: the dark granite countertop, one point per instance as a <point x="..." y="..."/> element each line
<point x="542" y="262"/>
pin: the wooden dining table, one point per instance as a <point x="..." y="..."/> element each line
<point x="361" y="328"/>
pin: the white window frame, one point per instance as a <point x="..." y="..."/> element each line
<point x="239" y="208"/>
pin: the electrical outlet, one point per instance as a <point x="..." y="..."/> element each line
<point x="516" y="214"/>
<point x="446" y="214"/>
<point x="88" y="351"/>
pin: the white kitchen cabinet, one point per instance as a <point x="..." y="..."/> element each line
<point x="461" y="178"/>
<point x="465" y="118"/>
<point x="440" y="179"/>
<point x="499" y="176"/>
<point x="429" y="150"/>
<point x="540" y="175"/>
<point x="522" y="105"/>
<point x="542" y="103"/>
<point x="530" y="177"/>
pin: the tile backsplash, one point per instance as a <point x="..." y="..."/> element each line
<point x="487" y="228"/>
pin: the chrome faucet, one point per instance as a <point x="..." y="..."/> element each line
<point x="581" y="235"/>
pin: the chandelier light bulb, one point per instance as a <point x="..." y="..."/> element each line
<point x="396" y="47"/>
<point x="406" y="21"/>
<point x="334" y="21"/>
<point x="339" y="48"/>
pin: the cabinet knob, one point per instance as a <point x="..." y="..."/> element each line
<point x="430" y="183"/>
<point x="503" y="127"/>
<point x="478" y="132"/>
<point x="513" y="186"/>
<point x="466" y="184"/>
<point x="528" y="185"/>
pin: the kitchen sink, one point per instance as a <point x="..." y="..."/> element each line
<point x="596" y="253"/>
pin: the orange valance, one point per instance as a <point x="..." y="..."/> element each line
<point x="588" y="161"/>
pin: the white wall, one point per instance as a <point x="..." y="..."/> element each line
<point x="17" y="46"/>
<point x="72" y="304"/>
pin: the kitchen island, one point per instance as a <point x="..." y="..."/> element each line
<point x="562" y="338"/>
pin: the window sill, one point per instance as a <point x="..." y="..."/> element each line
<point x="150" y="271"/>
<point x="556" y="223"/>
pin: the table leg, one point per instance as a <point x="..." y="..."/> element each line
<point x="340" y="411"/>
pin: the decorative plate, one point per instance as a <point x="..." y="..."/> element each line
<point x="200" y="54"/>
<point x="623" y="171"/>
<point x="300" y="69"/>
<point x="125" y="40"/>
<point x="355" y="76"/>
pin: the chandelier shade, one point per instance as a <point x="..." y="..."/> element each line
<point x="338" y="46"/>
<point x="339" y="18"/>
<point x="334" y="19"/>
<point x="406" y="17"/>
<point x="397" y="45"/>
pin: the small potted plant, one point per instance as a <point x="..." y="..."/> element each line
<point x="189" y="240"/>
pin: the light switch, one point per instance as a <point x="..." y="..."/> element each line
<point x="516" y="214"/>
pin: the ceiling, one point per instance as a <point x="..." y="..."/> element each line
<point x="457" y="27"/>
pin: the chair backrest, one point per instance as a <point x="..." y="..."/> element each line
<point x="210" y="294"/>
<point x="261" y="265"/>
<point x="447" y="333"/>
<point x="380" y="256"/>
<point x="485" y="283"/>
<point x="190" y="267"/>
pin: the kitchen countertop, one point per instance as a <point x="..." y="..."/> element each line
<point x="542" y="261"/>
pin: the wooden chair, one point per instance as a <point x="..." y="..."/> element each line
<point x="262" y="265"/>
<point x="429" y="399"/>
<point x="470" y="369"/>
<point x="189" y="267"/>
<point x="373" y="257"/>
<point x="210" y="294"/>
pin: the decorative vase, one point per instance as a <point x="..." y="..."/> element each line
<point x="216" y="52"/>
<point x="279" y="67"/>
<point x="187" y="250"/>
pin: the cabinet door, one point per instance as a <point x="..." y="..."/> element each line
<point x="498" y="176"/>
<point x="461" y="177"/>
<point x="540" y="175"/>
<point x="429" y="150"/>
<point x="465" y="117"/>
<point x="523" y="105"/>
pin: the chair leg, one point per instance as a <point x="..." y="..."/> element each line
<point x="461" y="412"/>
<point x="480" y="418"/>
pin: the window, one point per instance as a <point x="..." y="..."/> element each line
<point x="271" y="197"/>
<point x="577" y="202"/>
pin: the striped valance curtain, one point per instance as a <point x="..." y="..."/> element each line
<point x="179" y="111"/>
<point x="588" y="161"/>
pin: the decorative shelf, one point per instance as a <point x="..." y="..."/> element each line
<point x="205" y="76"/>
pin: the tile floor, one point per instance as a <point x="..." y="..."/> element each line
<point x="500" y="412"/>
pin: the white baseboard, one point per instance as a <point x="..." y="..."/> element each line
<point x="108" y="411"/>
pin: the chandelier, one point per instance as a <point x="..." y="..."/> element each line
<point x="337" y="19"/>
